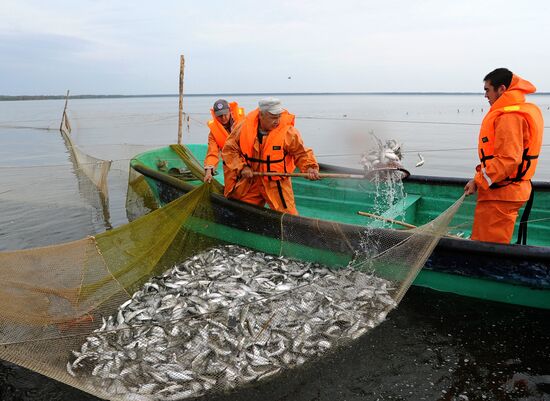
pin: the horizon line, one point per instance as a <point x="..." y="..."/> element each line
<point x="98" y="96"/>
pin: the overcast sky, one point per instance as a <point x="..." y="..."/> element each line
<point x="133" y="47"/>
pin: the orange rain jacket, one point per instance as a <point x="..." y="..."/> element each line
<point x="218" y="134"/>
<point x="282" y="149"/>
<point x="509" y="144"/>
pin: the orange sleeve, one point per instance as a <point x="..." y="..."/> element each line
<point x="212" y="154"/>
<point x="511" y="132"/>
<point x="303" y="157"/>
<point x="231" y="152"/>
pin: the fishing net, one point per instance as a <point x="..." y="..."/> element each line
<point x="93" y="168"/>
<point x="200" y="295"/>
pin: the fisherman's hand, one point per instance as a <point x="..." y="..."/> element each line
<point x="208" y="174"/>
<point x="470" y="188"/>
<point x="313" y="174"/>
<point x="246" y="172"/>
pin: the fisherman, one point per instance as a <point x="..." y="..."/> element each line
<point x="224" y="117"/>
<point x="509" y="144"/>
<point x="266" y="141"/>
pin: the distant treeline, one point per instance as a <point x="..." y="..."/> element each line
<point x="53" y="97"/>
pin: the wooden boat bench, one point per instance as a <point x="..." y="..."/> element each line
<point x="404" y="210"/>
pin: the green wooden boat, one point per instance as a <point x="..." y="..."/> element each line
<point x="516" y="274"/>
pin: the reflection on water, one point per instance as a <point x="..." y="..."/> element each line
<point x="434" y="346"/>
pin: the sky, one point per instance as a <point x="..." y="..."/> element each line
<point x="134" y="47"/>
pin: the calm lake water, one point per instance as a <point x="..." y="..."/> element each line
<point x="434" y="346"/>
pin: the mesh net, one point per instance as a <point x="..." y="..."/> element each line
<point x="201" y="295"/>
<point x="93" y="168"/>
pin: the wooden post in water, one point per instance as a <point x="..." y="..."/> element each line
<point x="64" y="115"/>
<point x="180" y="120"/>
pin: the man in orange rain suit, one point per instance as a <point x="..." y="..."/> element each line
<point x="510" y="141"/>
<point x="266" y="141"/>
<point x="224" y="117"/>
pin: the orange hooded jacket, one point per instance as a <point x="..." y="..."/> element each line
<point x="242" y="149"/>
<point x="218" y="134"/>
<point x="509" y="143"/>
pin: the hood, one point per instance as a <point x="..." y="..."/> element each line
<point x="521" y="85"/>
<point x="515" y="93"/>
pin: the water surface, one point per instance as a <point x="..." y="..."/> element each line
<point x="434" y="346"/>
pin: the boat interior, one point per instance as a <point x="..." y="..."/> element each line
<point x="382" y="203"/>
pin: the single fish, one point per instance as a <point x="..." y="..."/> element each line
<point x="421" y="162"/>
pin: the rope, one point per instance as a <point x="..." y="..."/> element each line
<point x="385" y="121"/>
<point x="407" y="151"/>
<point x="29" y="127"/>
<point x="534" y="220"/>
<point x="470" y="221"/>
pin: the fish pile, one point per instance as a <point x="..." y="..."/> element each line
<point x="224" y="318"/>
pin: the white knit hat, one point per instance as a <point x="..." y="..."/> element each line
<point x="271" y="105"/>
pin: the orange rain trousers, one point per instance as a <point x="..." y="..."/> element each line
<point x="257" y="195"/>
<point x="494" y="220"/>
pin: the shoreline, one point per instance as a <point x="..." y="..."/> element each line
<point x="62" y="97"/>
<point x="58" y="97"/>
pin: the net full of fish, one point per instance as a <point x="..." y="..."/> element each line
<point x="382" y="155"/>
<point x="385" y="154"/>
<point x="225" y="318"/>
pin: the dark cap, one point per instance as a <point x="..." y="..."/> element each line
<point x="221" y="107"/>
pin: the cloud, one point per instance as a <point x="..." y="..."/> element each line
<point x="31" y="48"/>
<point x="245" y="46"/>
